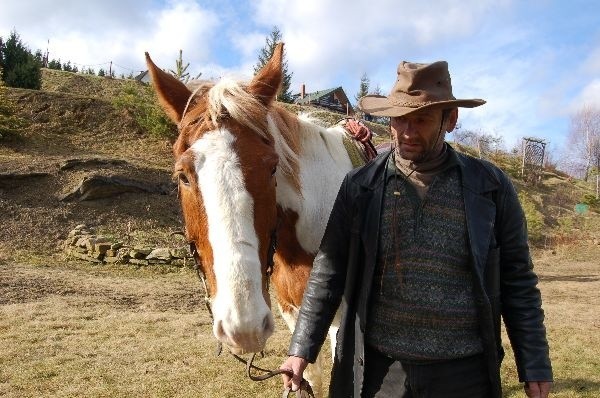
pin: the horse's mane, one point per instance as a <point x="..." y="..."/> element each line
<point x="274" y="123"/>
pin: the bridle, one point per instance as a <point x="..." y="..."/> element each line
<point x="305" y="389"/>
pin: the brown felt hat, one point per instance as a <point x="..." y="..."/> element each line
<point x="418" y="87"/>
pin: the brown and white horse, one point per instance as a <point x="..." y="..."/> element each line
<point x="248" y="169"/>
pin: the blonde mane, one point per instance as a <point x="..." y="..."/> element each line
<point x="230" y="98"/>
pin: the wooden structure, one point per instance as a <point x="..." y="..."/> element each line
<point x="334" y="99"/>
<point x="533" y="157"/>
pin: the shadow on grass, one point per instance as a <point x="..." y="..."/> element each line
<point x="577" y="386"/>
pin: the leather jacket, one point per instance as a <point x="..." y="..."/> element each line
<point x="499" y="256"/>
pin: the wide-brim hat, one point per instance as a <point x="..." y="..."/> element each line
<point x="418" y="87"/>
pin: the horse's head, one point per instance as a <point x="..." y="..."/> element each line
<point x="225" y="166"/>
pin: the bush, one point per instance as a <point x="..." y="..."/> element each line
<point x="9" y="123"/>
<point x="142" y="103"/>
<point x="592" y="201"/>
<point x="535" y="219"/>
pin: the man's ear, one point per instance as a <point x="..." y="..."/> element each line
<point x="451" y="120"/>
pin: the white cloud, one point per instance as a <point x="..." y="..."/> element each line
<point x="588" y="96"/>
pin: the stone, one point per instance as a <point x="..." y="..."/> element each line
<point x="97" y="186"/>
<point x="111" y="259"/>
<point x="145" y="250"/>
<point x="85" y="257"/>
<point x="179" y="262"/>
<point x="180" y="252"/>
<point x="90" y="244"/>
<point x="159" y="254"/>
<point x="102" y="247"/>
<point x="82" y="242"/>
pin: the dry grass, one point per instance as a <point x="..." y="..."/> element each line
<point x="76" y="330"/>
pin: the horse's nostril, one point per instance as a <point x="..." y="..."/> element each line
<point x="268" y="325"/>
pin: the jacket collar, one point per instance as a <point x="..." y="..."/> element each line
<point x="477" y="175"/>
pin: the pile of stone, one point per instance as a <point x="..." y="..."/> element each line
<point x="82" y="243"/>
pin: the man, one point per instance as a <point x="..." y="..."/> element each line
<point x="424" y="251"/>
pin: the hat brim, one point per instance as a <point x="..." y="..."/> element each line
<point x="378" y="105"/>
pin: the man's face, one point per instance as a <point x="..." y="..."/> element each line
<point x="417" y="133"/>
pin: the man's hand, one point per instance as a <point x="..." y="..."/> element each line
<point x="296" y="365"/>
<point x="537" y="389"/>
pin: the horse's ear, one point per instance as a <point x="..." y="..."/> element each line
<point x="172" y="94"/>
<point x="267" y="81"/>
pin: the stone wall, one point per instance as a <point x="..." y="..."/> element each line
<point x="82" y="243"/>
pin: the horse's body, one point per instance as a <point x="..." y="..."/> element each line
<point x="250" y="171"/>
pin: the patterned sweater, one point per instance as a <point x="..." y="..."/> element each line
<point x="423" y="308"/>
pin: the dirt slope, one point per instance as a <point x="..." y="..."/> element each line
<point x="71" y="130"/>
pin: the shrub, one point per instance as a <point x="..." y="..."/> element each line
<point x="592" y="201"/>
<point x="535" y="219"/>
<point x="9" y="123"/>
<point x="142" y="103"/>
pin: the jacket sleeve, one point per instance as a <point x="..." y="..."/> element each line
<point x="325" y="285"/>
<point x="521" y="299"/>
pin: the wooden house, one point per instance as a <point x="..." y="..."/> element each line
<point x="333" y="99"/>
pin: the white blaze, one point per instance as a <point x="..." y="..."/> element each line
<point x="242" y="317"/>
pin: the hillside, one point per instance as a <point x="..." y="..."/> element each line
<point x="86" y="127"/>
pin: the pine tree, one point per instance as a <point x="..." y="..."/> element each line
<point x="19" y="66"/>
<point x="180" y="71"/>
<point x="364" y="87"/>
<point x="265" y="54"/>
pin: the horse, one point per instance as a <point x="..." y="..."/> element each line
<point x="249" y="172"/>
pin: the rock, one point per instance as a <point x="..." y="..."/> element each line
<point x="90" y="243"/>
<point x="159" y="254"/>
<point x="138" y="254"/>
<point x="95" y="186"/>
<point x="83" y="241"/>
<point x="145" y="250"/>
<point x="180" y="252"/>
<point x="111" y="259"/>
<point x="102" y="247"/>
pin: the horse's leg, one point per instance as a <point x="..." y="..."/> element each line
<point x="314" y="372"/>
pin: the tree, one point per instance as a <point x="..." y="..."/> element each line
<point x="180" y="70"/>
<point x="101" y="72"/>
<point x="19" y="66"/>
<point x="584" y="140"/>
<point x="484" y="143"/>
<point x="363" y="88"/>
<point x="55" y="64"/>
<point x="274" y="38"/>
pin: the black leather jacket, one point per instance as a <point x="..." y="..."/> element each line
<point x="343" y="271"/>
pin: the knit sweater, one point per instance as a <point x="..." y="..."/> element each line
<point x="423" y="308"/>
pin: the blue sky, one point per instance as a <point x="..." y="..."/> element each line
<point x="535" y="62"/>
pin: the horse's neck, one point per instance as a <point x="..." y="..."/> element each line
<point x="323" y="163"/>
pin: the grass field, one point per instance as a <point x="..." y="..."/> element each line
<point x="71" y="330"/>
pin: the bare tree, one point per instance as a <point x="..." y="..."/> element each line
<point x="584" y="140"/>
<point x="484" y="143"/>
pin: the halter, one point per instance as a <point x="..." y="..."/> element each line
<point x="305" y="390"/>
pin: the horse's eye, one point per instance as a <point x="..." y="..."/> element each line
<point x="273" y="171"/>
<point x="183" y="179"/>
